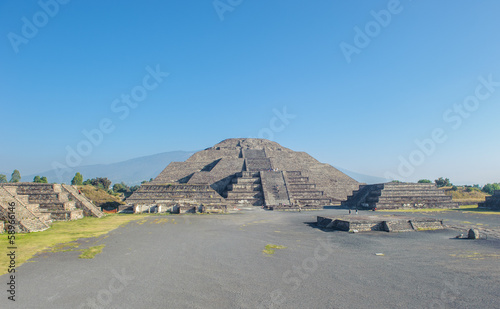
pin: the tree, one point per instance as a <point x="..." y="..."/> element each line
<point x="77" y="180"/>
<point x="3" y="178"/>
<point x="440" y="182"/>
<point x="105" y="182"/>
<point x="16" y="176"/>
<point x="99" y="182"/>
<point x="121" y="187"/>
<point x="424" y="181"/>
<point x="39" y="179"/>
<point x="491" y="187"/>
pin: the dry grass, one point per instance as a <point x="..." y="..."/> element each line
<point x="60" y="236"/>
<point x="100" y="197"/>
<point x="461" y="195"/>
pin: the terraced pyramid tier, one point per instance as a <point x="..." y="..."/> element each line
<point x="397" y="195"/>
<point x="252" y="172"/>
<point x="58" y="202"/>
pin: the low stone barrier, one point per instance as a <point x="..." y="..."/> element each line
<point x="355" y="223"/>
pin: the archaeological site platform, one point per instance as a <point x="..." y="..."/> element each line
<point x="243" y="172"/>
<point x="399" y="195"/>
<point x="366" y="223"/>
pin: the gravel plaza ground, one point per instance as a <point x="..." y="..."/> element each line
<point x="217" y="261"/>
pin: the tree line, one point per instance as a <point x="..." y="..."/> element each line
<point x="98" y="182"/>
<point x="104" y="183"/>
<point x="16" y="177"/>
<point x="445" y="182"/>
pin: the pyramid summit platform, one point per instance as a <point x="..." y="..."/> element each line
<point x="244" y="172"/>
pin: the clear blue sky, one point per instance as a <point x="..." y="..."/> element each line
<point x="232" y="67"/>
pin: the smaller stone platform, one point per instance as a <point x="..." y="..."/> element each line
<point x="362" y="223"/>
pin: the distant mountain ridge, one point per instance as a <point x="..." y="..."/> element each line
<point x="362" y="177"/>
<point x="133" y="171"/>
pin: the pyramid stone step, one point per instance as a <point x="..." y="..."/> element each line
<point x="254" y="180"/>
<point x="245" y="187"/>
<point x="244" y="195"/>
<point x="297" y="179"/>
<point x="301" y="186"/>
<point x="307" y="194"/>
<point x="251" y="202"/>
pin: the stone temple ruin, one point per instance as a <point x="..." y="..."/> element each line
<point x="398" y="195"/>
<point x="243" y="172"/>
<point x="37" y="205"/>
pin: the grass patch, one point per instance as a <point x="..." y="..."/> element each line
<point x="464" y="208"/>
<point x="427" y="228"/>
<point x="61" y="233"/>
<point x="415" y="210"/>
<point x="91" y="252"/>
<point x="476" y="209"/>
<point x="467" y="207"/>
<point x="64" y="247"/>
<point x="270" y="249"/>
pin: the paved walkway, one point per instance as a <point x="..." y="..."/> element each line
<point x="217" y="261"/>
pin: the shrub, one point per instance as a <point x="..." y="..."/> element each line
<point x="443" y="182"/>
<point x="491" y="187"/>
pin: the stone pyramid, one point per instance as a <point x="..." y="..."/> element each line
<point x="238" y="172"/>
